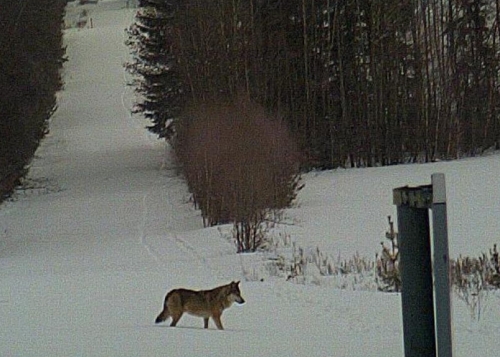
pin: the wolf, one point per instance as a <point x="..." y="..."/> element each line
<point x="202" y="303"/>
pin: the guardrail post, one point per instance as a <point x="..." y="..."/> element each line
<point x="442" y="281"/>
<point x="416" y="270"/>
<point x="423" y="329"/>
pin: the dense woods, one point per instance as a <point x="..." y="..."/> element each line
<point x="359" y="83"/>
<point x="31" y="54"/>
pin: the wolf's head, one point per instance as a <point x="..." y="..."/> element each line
<point x="234" y="293"/>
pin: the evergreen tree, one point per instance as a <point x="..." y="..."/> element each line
<point x="155" y="64"/>
<point x="31" y="55"/>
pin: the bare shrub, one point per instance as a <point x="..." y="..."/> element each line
<point x="469" y="285"/>
<point x="473" y="278"/>
<point x="313" y="266"/>
<point x="388" y="275"/>
<point x="240" y="163"/>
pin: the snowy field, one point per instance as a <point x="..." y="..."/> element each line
<point x="103" y="230"/>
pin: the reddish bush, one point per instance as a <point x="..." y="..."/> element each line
<point x="239" y="162"/>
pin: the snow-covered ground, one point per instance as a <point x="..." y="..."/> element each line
<point x="104" y="230"/>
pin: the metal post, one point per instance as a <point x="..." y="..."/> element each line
<point x="416" y="270"/>
<point x="441" y="267"/>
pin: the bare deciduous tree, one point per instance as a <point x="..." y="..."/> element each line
<point x="240" y="164"/>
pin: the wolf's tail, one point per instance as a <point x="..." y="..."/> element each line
<point x="163" y="315"/>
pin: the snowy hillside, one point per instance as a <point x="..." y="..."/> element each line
<point x="103" y="230"/>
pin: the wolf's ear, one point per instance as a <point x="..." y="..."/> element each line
<point x="237" y="282"/>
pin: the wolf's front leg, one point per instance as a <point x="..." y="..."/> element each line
<point x="205" y="320"/>
<point x="218" y="322"/>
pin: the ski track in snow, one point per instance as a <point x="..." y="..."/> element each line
<point x="173" y="237"/>
<point x="142" y="231"/>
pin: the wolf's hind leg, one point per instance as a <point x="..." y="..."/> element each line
<point x="175" y="319"/>
<point x="205" y="321"/>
